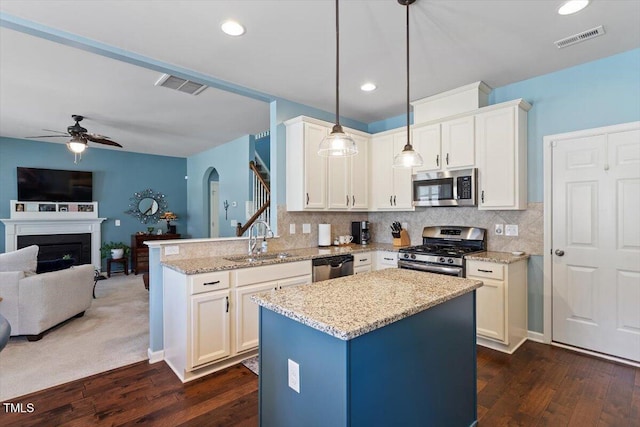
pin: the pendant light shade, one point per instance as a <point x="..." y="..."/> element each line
<point x="337" y="143"/>
<point x="77" y="144"/>
<point x="408" y="157"/>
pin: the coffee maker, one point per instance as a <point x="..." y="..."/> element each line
<point x="360" y="232"/>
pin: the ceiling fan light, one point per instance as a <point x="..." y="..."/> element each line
<point x="77" y="145"/>
<point x="337" y="143"/>
<point x="407" y="158"/>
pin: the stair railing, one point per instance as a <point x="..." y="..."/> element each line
<point x="261" y="201"/>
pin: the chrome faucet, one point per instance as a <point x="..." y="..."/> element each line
<point x="253" y="240"/>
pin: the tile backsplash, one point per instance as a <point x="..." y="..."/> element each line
<point x="529" y="221"/>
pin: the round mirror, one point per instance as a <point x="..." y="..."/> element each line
<point x="147" y="205"/>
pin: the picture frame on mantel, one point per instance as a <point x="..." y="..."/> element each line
<point x="53" y="210"/>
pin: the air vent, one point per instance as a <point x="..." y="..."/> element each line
<point x="177" y="83"/>
<point x="580" y="37"/>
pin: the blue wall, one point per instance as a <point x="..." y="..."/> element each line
<point x="231" y="161"/>
<point x="116" y="176"/>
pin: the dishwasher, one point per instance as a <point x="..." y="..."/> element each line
<point x="331" y="267"/>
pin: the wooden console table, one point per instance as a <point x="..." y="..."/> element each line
<point x="140" y="251"/>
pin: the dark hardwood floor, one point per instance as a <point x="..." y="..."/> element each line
<point x="539" y="385"/>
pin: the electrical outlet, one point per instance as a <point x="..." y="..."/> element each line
<point x="511" y="230"/>
<point x="294" y="375"/>
<point x="117" y="223"/>
<point x="405" y="225"/>
<point x="234" y="222"/>
<point x="499" y="229"/>
<point x="234" y="204"/>
<point x="292" y="229"/>
<point x="171" y="250"/>
<point x="306" y="228"/>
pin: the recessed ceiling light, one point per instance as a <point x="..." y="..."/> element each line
<point x="232" y="28"/>
<point x="572" y="6"/>
<point x="368" y="87"/>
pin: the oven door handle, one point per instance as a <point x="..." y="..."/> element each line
<point x="429" y="268"/>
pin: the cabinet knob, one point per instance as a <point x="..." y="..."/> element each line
<point x="394" y="200"/>
<point x="391" y="200"/>
<point x="227" y="304"/>
<point x="347" y="200"/>
<point x="447" y="158"/>
<point x="354" y="200"/>
<point x="482" y="196"/>
<point x="437" y="159"/>
<point x="307" y="198"/>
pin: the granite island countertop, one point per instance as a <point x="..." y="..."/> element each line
<point x="220" y="263"/>
<point x="351" y="306"/>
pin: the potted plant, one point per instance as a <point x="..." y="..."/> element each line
<point x="115" y="250"/>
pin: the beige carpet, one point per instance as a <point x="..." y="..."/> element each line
<point x="114" y="332"/>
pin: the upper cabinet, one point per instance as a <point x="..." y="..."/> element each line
<point x="392" y="190"/>
<point x="446" y="145"/>
<point x="318" y="183"/>
<point x="501" y="138"/>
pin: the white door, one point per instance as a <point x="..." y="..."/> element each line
<point x="596" y="243"/>
<point x="214" y="209"/>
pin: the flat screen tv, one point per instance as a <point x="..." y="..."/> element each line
<point x="51" y="185"/>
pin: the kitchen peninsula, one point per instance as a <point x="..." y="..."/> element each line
<point x="390" y="347"/>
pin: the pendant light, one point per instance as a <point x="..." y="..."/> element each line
<point x="337" y="143"/>
<point x="408" y="157"/>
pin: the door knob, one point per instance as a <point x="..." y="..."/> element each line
<point x="559" y="252"/>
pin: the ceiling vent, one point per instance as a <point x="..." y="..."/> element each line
<point x="177" y="83"/>
<point x="580" y="37"/>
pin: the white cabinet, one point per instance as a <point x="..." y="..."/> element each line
<point x="362" y="262"/>
<point x="426" y="141"/>
<point x="209" y="334"/>
<point x="318" y="183"/>
<point x="458" y="143"/>
<point x="306" y="170"/>
<point x="196" y="320"/>
<point x="501" y="303"/>
<point x="392" y="189"/>
<point x="348" y="178"/>
<point x="386" y="259"/>
<point x="501" y="136"/>
<point x="249" y="281"/>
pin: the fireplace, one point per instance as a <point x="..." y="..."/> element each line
<point x="56" y="246"/>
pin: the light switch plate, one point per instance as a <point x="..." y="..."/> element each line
<point x="171" y="250"/>
<point x="292" y="229"/>
<point x="294" y="375"/>
<point x="306" y="228"/>
<point x="511" y="230"/>
<point x="117" y="223"/>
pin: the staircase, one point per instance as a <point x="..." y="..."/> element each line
<point x="261" y="196"/>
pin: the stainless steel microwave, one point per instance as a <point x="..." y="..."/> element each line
<point x="447" y="188"/>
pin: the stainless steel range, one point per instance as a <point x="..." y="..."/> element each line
<point x="443" y="250"/>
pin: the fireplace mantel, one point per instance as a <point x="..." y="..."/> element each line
<point x="22" y="227"/>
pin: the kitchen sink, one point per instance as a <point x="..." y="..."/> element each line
<point x="257" y="257"/>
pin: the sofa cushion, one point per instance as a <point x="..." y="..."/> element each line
<point x="25" y="259"/>
<point x="54" y="265"/>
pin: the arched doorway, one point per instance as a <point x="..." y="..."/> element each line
<point x="214" y="203"/>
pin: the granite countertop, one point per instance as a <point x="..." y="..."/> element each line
<point x="220" y="263"/>
<point x="351" y="306"/>
<point x="499" y="257"/>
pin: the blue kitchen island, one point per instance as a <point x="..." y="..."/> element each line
<point x="388" y="348"/>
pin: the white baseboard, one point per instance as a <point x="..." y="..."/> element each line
<point x="155" y="356"/>
<point x="536" y="336"/>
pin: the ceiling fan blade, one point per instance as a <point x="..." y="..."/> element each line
<point x="105" y="141"/>
<point x="56" y="131"/>
<point x="48" y="136"/>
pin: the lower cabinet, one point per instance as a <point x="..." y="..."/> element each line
<point x="209" y="329"/>
<point x="386" y="259"/>
<point x="501" y="303"/>
<point x="209" y="320"/>
<point x="249" y="281"/>
<point x="362" y="262"/>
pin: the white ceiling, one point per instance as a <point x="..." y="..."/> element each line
<point x="287" y="52"/>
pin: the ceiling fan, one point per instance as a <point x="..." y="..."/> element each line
<point x="79" y="137"/>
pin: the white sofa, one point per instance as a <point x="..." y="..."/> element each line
<point x="34" y="303"/>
